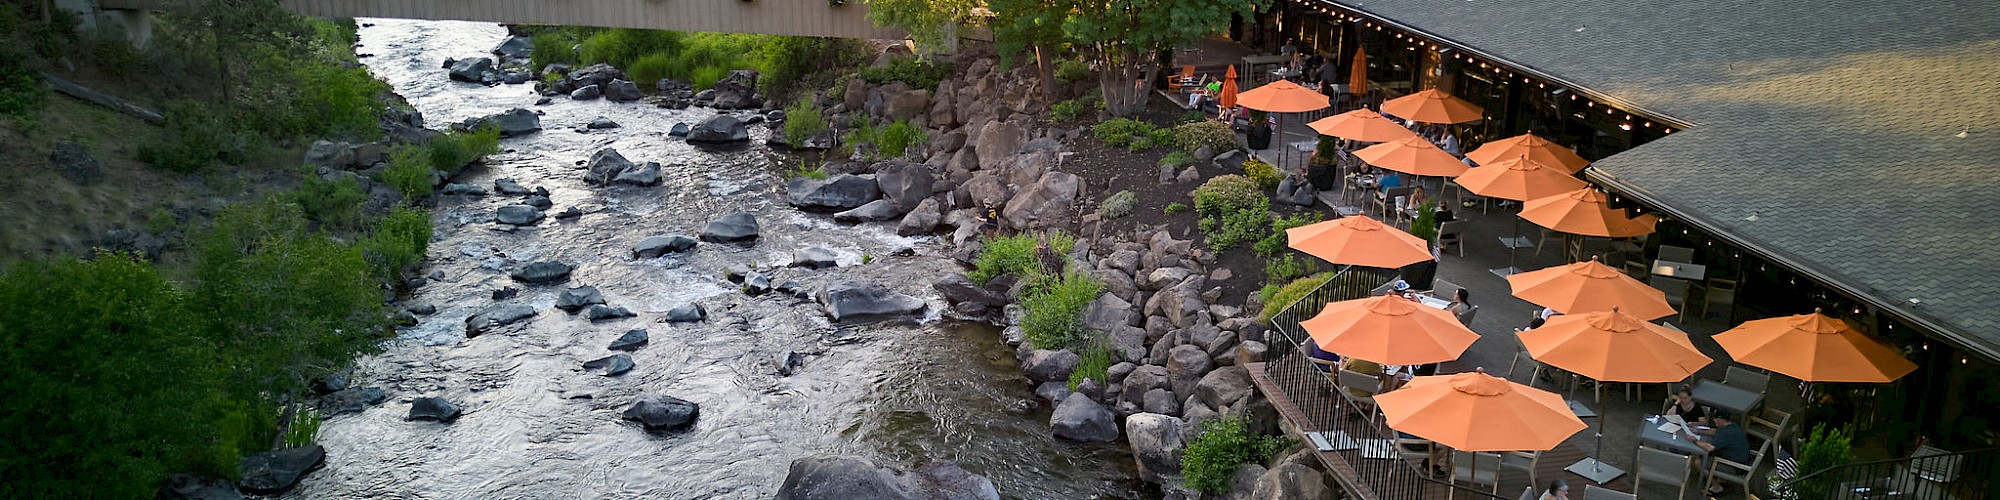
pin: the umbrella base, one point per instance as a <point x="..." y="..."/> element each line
<point x="1505" y="271"/>
<point x="1516" y="242"/>
<point x="1594" y="470"/>
<point x="1581" y="410"/>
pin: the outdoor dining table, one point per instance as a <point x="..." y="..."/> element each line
<point x="1650" y="433"/>
<point x="1719" y="395"/>
<point x="1681" y="270"/>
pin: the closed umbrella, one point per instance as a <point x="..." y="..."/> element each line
<point x="1518" y="179"/>
<point x="1433" y="106"/>
<point x="1363" y="125"/>
<point x="1389" y="329"/>
<point x="1228" y="98"/>
<point x="1412" y="155"/>
<point x="1357" y="80"/>
<point x="1590" y="286"/>
<point x="1611" y="346"/>
<point x="1282" y="96"/>
<point x="1814" y="348"/>
<point x="1533" y="147"/>
<point x="1360" y="241"/>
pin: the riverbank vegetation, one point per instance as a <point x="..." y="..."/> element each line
<point x="1220" y="446"/>
<point x="785" y="63"/>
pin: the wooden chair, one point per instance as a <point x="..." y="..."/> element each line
<point x="1720" y="292"/>
<point x="1452" y="232"/>
<point x="1595" y="493"/>
<point x="1385" y="201"/>
<point x="1662" y="467"/>
<point x="1369" y="385"/>
<point x="1479" y="469"/>
<point x="1524" y="461"/>
<point x="1727" y="470"/>
<point x="1767" y="424"/>
<point x="1182" y="82"/>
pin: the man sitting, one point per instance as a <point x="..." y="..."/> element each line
<point x="1726" y="440"/>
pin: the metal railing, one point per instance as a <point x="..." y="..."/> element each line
<point x="1311" y="391"/>
<point x="1926" y="475"/>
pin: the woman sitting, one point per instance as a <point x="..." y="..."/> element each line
<point x="1683" y="405"/>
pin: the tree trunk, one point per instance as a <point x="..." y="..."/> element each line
<point x="1047" y="70"/>
<point x="1121" y="81"/>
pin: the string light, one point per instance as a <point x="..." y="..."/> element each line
<point x="1625" y="126"/>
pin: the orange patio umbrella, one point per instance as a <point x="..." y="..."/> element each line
<point x="1590" y="286"/>
<point x="1360" y="241"/>
<point x="1357" y="79"/>
<point x="1412" y="155"/>
<point x="1389" y="329"/>
<point x="1814" y="348"/>
<point x="1473" y="411"/>
<point x="1585" y="212"/>
<point x="1282" y="96"/>
<point x="1518" y="179"/>
<point x="1433" y="106"/>
<point x="1612" y="346"/>
<point x="1228" y="98"/>
<point x="1363" y="125"/>
<point x="1532" y="146"/>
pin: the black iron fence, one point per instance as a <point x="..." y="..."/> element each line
<point x="1348" y="427"/>
<point x="1929" y="474"/>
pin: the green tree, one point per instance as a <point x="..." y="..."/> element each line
<point x="1119" y="38"/>
<point x="932" y="23"/>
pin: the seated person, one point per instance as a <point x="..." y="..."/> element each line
<point x="1726" y="441"/>
<point x="1365" y="367"/>
<point x="1683" y="405"/>
<point x="1321" y="360"/>
<point x="1389" y="179"/>
<point x="1541" y="317"/>
<point x="1417" y="198"/>
<point x="1460" y="302"/>
<point x="1400" y="288"/>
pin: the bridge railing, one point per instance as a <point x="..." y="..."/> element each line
<point x="1926" y="475"/>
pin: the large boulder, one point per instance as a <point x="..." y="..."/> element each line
<point x="547" y="271"/>
<point x="1156" y="444"/>
<point x="874" y="211"/>
<point x="738" y="90"/>
<point x="1142" y="379"/>
<point x="1045" y="203"/>
<point x="471" y="69"/>
<point x="1224" y="386"/>
<point x="606" y="164"/>
<point x="719" y="129"/>
<point x="1043" y="365"/>
<point x="646" y="175"/>
<point x="687" y="313"/>
<point x="352" y="400"/>
<point x="732" y="228"/>
<point x="1025" y="169"/>
<point x="1109" y="313"/>
<point x="577" y="298"/>
<point x="922" y="220"/>
<point x="586" y="93"/>
<point x="997" y="141"/>
<point x="849" y="300"/>
<point x="621" y="91"/>
<point x="511" y="123"/>
<point x="1186" y="364"/>
<point x="815" y="258"/>
<point x="840" y="192"/>
<point x="496" y="316"/>
<point x="1079" y="418"/>
<point x="601" y="312"/>
<point x="1290" y="481"/>
<point x="845" y="477"/>
<point x="664" y="413"/>
<point x="518" y="215"/>
<point x="906" y="105"/>
<point x="655" y="246"/>
<point x="905" y="186"/>
<point x="436" y="409"/>
<point x="274" y="472"/>
<point x="515" y="48"/>
<point x="986" y="190"/>
<point x="598" y="74"/>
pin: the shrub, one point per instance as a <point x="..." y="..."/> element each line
<point x="162" y="221"/>
<point x="1425" y="226"/>
<point x="803" y="119"/>
<point x="1276" y="300"/>
<point x="332" y="204"/>
<point x="1160" y="136"/>
<point x="897" y="138"/>
<point x="1096" y="361"/>
<point x="1214" y="134"/>
<point x="793" y="63"/>
<point x="1286" y="269"/>
<point x="1242" y="226"/>
<point x="1118" y="205"/>
<point x="1823" y="449"/>
<point x="1016" y="255"/>
<point x="20" y="92"/>
<point x="1071" y="71"/>
<point x="1175" y="207"/>
<point x="194" y="136"/>
<point x="1266" y="175"/>
<point x="330" y="99"/>
<point x="1176" y="159"/>
<point x="622" y="47"/>
<point x="1066" y="110"/>
<point x="398" y="243"/>
<point x="1139" y="143"/>
<point x="1227" y="194"/>
<point x="1120" y="132"/>
<point x="451" y="152"/>
<point x="1220" y="446"/>
<point x="918" y="74"/>
<point x="650" y="68"/>
<point x="1277" y="241"/>
<point x="410" y="172"/>
<point x="558" y="46"/>
<point x="1052" y="311"/>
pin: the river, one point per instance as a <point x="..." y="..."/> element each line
<point x="537" y="426"/>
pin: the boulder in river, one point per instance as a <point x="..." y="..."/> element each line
<point x="828" y="476"/>
<point x="622" y="91"/>
<point x="732" y="228"/>
<point x="815" y="258"/>
<point x="518" y="215"/>
<point x="586" y="93"/>
<point x="601" y="123"/>
<point x="351" y="400"/>
<point x="1043" y="365"/>
<point x="433" y="409"/>
<point x="547" y="271"/>
<point x="601" y="312"/>
<point x="906" y="185"/>
<point x="665" y="413"/>
<point x="646" y="175"/>
<point x="496" y="316"/>
<point x="1156" y="444"/>
<point x="613" y="365"/>
<point x="508" y="186"/>
<point x="577" y="298"/>
<point x="874" y="211"/>
<point x="679" y="130"/>
<point x="687" y="313"/>
<point x="632" y="340"/>
<point x="515" y="48"/>
<point x="719" y="129"/>
<point x="655" y="246"/>
<point x="598" y="74"/>
<point x="1079" y="418"/>
<point x="471" y="69"/>
<point x="840" y="192"/>
<point x="274" y="472"/>
<point x="193" y="487"/>
<point x="511" y="123"/>
<point x="851" y="300"/>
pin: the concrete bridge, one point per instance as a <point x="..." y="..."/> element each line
<point x="821" y="18"/>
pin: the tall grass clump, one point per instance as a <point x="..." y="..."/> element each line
<point x="1052" y="311"/>
<point x="1016" y="255"/>
<point x="1219" y="446"/>
<point x="1094" y="361"/>
<point x="1276" y="297"/>
<point x="803" y="119"/>
<point x="897" y="138"/>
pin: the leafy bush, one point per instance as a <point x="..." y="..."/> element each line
<point x="162" y="221"/>
<point x="1823" y="449"/>
<point x="897" y="138"/>
<point x="1096" y="361"/>
<point x="1139" y="143"/>
<point x="410" y="172"/>
<point x="1214" y="134"/>
<point x="398" y="243"/>
<point x="1175" y="207"/>
<point x="20" y="91"/>
<point x="1226" y="194"/>
<point x="1016" y="255"/>
<point x="1276" y="299"/>
<point x="803" y="119"/>
<point x="1241" y="226"/>
<point x="1425" y="226"/>
<point x="1052" y="311"/>
<point x="1286" y="269"/>
<point x="1176" y="159"/>
<point x="1118" y="205"/>
<point x="621" y="47"/>
<point x="1266" y="175"/>
<point x="1071" y="71"/>
<point x="650" y="68"/>
<point x="918" y="74"/>
<point x="1220" y="446"/>
<point x="451" y="152"/>
<point x="802" y="63"/>
<point x="330" y="99"/>
<point x="333" y="204"/>
<point x="1120" y="132"/>
<point x="559" y="45"/>
<point x="1067" y="110"/>
<point x="1277" y="241"/>
<point x="194" y="137"/>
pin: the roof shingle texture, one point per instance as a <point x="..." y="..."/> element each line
<point x="1834" y="123"/>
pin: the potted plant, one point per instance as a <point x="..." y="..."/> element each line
<point x="1323" y="169"/>
<point x="1259" y="134"/>
<point x="1822" y="449"/>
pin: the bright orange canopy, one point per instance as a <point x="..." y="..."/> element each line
<point x="1532" y="146"/>
<point x="1814" y="348"/>
<point x="1518" y="179"/>
<point x="1590" y="286"/>
<point x="1360" y="241"/>
<point x="1282" y="96"/>
<point x="1586" y="212"/>
<point x="1361" y="125"/>
<point x="1391" y="330"/>
<point x="1357" y="78"/>
<point x="1228" y="98"/>
<point x="1612" y="346"/>
<point x="1433" y="106"/>
<point x="1412" y="155"/>
<point x="1473" y="411"/>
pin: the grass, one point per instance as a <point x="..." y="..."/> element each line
<point x="1096" y="360"/>
<point x="1015" y="255"/>
<point x="803" y="119"/>
<point x="1276" y="298"/>
<point x="815" y="173"/>
<point x="1052" y="310"/>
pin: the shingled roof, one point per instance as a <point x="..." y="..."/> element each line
<point x="1826" y="133"/>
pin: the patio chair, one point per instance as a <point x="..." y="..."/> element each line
<point x="1530" y="494"/>
<point x="1596" y="493"/>
<point x="1452" y="232"/>
<point x="1767" y="424"/>
<point x="1479" y="469"/>
<point x="1746" y="379"/>
<point x="1662" y="467"/>
<point x="1524" y="461"/>
<point x="1418" y="449"/>
<point x="1676" y="290"/>
<point x="1466" y="319"/>
<point x="1183" y="81"/>
<point x="1935" y="465"/>
<point x="1385" y="201"/>
<point x="1521" y="357"/>
<point x="1637" y="269"/>
<point x="1672" y="253"/>
<point x="1727" y="470"/>
<point x="1720" y="292"/>
<point x="1369" y="385"/>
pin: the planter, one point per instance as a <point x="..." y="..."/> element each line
<point x="1322" y="176"/>
<point x="1259" y="137"/>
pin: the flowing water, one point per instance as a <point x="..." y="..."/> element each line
<point x="537" y="426"/>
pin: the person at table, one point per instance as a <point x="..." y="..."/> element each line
<point x="1683" y="405"/>
<point x="1325" y="362"/>
<point x="1365" y="367"/>
<point x="1558" y="490"/>
<point x="1291" y="53"/>
<point x="1388" y="180"/>
<point x="1541" y="317"/>
<point x="1417" y="198"/>
<point x="1726" y="441"/>
<point x="1400" y="288"/>
<point x="1450" y="144"/>
<point x="1461" y="302"/>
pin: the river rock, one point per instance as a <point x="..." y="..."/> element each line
<point x="655" y="246"/>
<point x="518" y="215"/>
<point x="789" y="362"/>
<point x="496" y="316"/>
<point x="959" y="290"/>
<point x="607" y="164"/>
<point x="840" y="192"/>
<point x="622" y="91"/>
<point x="719" y="129"/>
<point x="632" y="340"/>
<point x="596" y="74"/>
<point x="850" y="300"/>
<point x="756" y="283"/>
<point x="538" y="201"/>
<point x="547" y="271"/>
<point x="577" y="298"/>
<point x="601" y="123"/>
<point x="737" y="227"/>
<point x="351" y="400"/>
<point x="1223" y="387"/>
<point x="815" y="258"/>
<point x="1045" y="203"/>
<point x="508" y="186"/>
<point x="1161" y="401"/>
<point x="515" y="48"/>
<point x="471" y="69"/>
<point x="511" y="123"/>
<point x="1144" y="378"/>
<point x="1156" y="444"/>
<point x="998" y="141"/>
<point x="738" y="90"/>
<point x="601" y="312"/>
<point x="986" y="190"/>
<point x="664" y="413"/>
<point x="646" y="175"/>
<point x="1290" y="481"/>
<point x="569" y="213"/>
<point x="193" y="487"/>
<point x="842" y="477"/>
<point x="1080" y="419"/>
<point x="613" y="365"/>
<point x="922" y="220"/>
<point x="905" y="186"/>
<point x="274" y="472"/>
<point x="586" y="93"/>
<point x="1109" y="313"/>
<point x="457" y="188"/>
<point x="432" y="409"/>
<point x="1053" y="391"/>
<point x="687" y="313"/>
<point x="874" y="211"/>
<point x="1185" y="366"/>
<point x="1044" y="365"/>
